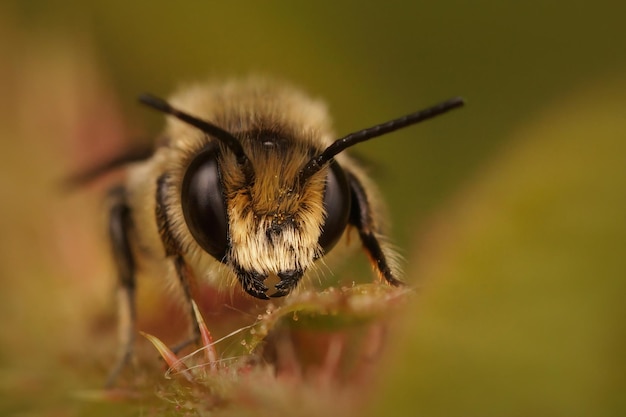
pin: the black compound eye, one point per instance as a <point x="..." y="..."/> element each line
<point x="203" y="204"/>
<point x="337" y="206"/>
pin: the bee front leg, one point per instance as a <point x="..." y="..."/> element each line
<point x="173" y="251"/>
<point x="120" y="225"/>
<point x="361" y="218"/>
<point x="185" y="281"/>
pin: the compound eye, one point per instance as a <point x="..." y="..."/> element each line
<point x="336" y="205"/>
<point x="203" y="204"/>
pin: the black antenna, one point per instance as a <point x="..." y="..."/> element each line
<point x="222" y="135"/>
<point x="316" y="163"/>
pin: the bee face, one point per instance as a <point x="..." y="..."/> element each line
<point x="267" y="222"/>
<point x="243" y="200"/>
<point x="250" y="176"/>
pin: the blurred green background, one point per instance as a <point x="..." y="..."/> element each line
<point x="510" y="212"/>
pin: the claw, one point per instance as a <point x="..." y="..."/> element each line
<point x="256" y="293"/>
<point x="252" y="283"/>
<point x="280" y="293"/>
<point x="288" y="281"/>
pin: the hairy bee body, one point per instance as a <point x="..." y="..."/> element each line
<point x="246" y="188"/>
<point x="280" y="130"/>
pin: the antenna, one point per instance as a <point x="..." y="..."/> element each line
<point x="318" y="162"/>
<point x="220" y="134"/>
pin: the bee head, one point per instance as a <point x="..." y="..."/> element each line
<point x="265" y="203"/>
<point x="259" y="216"/>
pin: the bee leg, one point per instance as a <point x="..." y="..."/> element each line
<point x="361" y="218"/>
<point x="173" y="250"/>
<point x="184" y="278"/>
<point x="120" y="224"/>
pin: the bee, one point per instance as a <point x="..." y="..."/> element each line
<point x="248" y="181"/>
